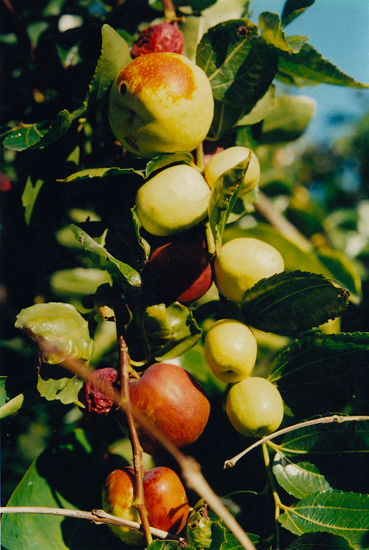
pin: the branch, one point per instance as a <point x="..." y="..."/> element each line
<point x="324" y="420"/>
<point x="96" y="516"/>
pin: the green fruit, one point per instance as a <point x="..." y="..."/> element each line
<point x="241" y="263"/>
<point x="161" y="103"/>
<point x="229" y="158"/>
<point x="254" y="407"/>
<point x="230" y="349"/>
<point x="176" y="199"/>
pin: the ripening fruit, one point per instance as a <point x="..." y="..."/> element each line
<point x="163" y="37"/>
<point x="254" y="407"/>
<point x="230" y="349"/>
<point x="241" y="263"/>
<point x="229" y="158"/>
<point x="176" y="199"/>
<point x="160" y="103"/>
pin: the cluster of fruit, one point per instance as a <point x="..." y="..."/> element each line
<point x="161" y="102"/>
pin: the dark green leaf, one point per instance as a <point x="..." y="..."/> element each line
<point x="102" y="173"/>
<point x="272" y="32"/>
<point x="162" y="161"/>
<point x="165" y="545"/>
<point x="316" y="541"/>
<point x="344" y="514"/>
<point x="141" y="241"/>
<point x="343" y="270"/>
<point x="29" y="197"/>
<point x="223" y="197"/>
<point x="309" y="68"/>
<point x="64" y="390"/>
<point x="127" y="277"/>
<point x="321" y="372"/>
<point x="294" y="8"/>
<point x="240" y="66"/>
<point x="298" y="478"/>
<point x="262" y="108"/>
<point x="288" y="303"/>
<point x="59" y="324"/>
<point x="114" y="56"/>
<point x="225" y="117"/>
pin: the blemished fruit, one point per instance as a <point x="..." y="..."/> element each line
<point x="173" y="200"/>
<point x="163" y="37"/>
<point x="96" y="400"/>
<point x="165" y="500"/>
<point x="254" y="407"/>
<point x="230" y="349"/>
<point x="160" y="103"/>
<point x="241" y="263"/>
<point x="180" y="270"/>
<point x="229" y="158"/>
<point x="173" y="401"/>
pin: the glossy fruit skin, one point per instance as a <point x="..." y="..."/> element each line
<point x="180" y="270"/>
<point x="173" y="401"/>
<point x="160" y="103"/>
<point x="229" y="158"/>
<point x="173" y="200"/>
<point x="163" y="37"/>
<point x="242" y="263"/>
<point x="165" y="499"/>
<point x="230" y="349"/>
<point x="254" y="407"/>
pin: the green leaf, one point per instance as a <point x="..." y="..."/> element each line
<point x="294" y="8"/>
<point x="225" y="117"/>
<point x="320" y="373"/>
<point x="262" y="108"/>
<point x="114" y="56"/>
<point x="165" y="545"/>
<point x="64" y="390"/>
<point x="78" y="281"/>
<point x="110" y="171"/>
<point x="309" y="68"/>
<point x="137" y="225"/>
<point x="162" y="161"/>
<point x="199" y="527"/>
<point x="8" y="406"/>
<point x="315" y="541"/>
<point x="29" y="197"/>
<point x="298" y="478"/>
<point x="272" y="32"/>
<point x="344" y="514"/>
<point x="127" y="277"/>
<point x="344" y="271"/>
<point x="60" y="325"/>
<point x="288" y="303"/>
<point x="223" y="197"/>
<point x="240" y="66"/>
<point x="288" y="120"/>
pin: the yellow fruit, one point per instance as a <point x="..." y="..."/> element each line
<point x="230" y="349"/>
<point x="160" y="103"/>
<point x="241" y="263"/>
<point x="174" y="200"/>
<point x="254" y="407"/>
<point x="227" y="159"/>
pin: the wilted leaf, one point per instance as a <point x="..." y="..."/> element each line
<point x="127" y="277"/>
<point x="60" y="325"/>
<point x="294" y="8"/>
<point x="298" y="478"/>
<point x="344" y="514"/>
<point x="320" y="373"/>
<point x="199" y="527"/>
<point x="288" y="303"/>
<point x="240" y="66"/>
<point x="272" y="32"/>
<point x="309" y="68"/>
<point x="64" y="390"/>
<point x="29" y="197"/>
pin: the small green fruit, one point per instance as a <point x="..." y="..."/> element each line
<point x="176" y="199"/>
<point x="241" y="263"/>
<point x="230" y="349"/>
<point x="254" y="407"/>
<point x="229" y="158"/>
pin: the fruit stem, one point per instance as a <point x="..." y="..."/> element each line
<point x="169" y="11"/>
<point x="136" y="447"/>
<point x="200" y="157"/>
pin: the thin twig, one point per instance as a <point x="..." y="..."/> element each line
<point x="324" y="420"/>
<point x="96" y="516"/>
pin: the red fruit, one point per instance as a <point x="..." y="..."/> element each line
<point x="163" y="37"/>
<point x="165" y="499"/>
<point x="96" y="400"/>
<point x="173" y="401"/>
<point x="181" y="270"/>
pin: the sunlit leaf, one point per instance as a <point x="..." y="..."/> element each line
<point x="288" y="303"/>
<point x="29" y="197"/>
<point x="344" y="514"/>
<point x="272" y="32"/>
<point x="298" y="478"/>
<point x="294" y="8"/>
<point x="319" y="372"/>
<point x="64" y="390"/>
<point x="262" y="108"/>
<point x="162" y="161"/>
<point x="60" y="325"/>
<point x="110" y="171"/>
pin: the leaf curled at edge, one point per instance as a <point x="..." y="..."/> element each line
<point x="298" y="478"/>
<point x="273" y="34"/>
<point x="288" y="303"/>
<point x="64" y="390"/>
<point x="294" y="8"/>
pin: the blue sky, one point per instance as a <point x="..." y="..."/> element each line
<point x="339" y="30"/>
